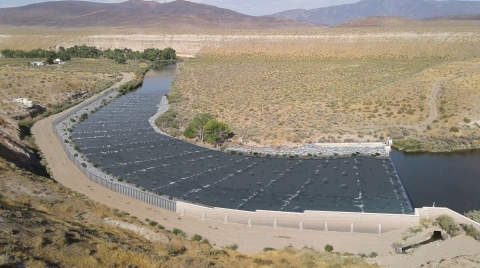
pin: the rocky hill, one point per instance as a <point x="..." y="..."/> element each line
<point x="412" y="9"/>
<point x="137" y="13"/>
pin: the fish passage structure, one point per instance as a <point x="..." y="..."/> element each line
<point x="120" y="141"/>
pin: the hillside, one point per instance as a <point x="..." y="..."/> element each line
<point x="137" y="13"/>
<point x="399" y="22"/>
<point x="413" y="9"/>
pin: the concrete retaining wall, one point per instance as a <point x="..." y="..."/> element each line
<point x="309" y="220"/>
<point x="433" y="212"/>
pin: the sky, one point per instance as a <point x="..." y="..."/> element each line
<point x="249" y="7"/>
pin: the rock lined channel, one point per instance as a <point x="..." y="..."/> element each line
<point x="120" y="139"/>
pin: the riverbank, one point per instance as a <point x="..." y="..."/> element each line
<point x="436" y="145"/>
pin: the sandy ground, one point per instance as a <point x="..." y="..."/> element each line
<point x="249" y="240"/>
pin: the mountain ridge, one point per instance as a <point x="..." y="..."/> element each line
<point x="410" y="9"/>
<point x="137" y="13"/>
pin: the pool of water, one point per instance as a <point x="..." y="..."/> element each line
<point x="449" y="179"/>
<point x="119" y="139"/>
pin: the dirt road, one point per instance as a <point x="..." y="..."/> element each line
<point x="433" y="114"/>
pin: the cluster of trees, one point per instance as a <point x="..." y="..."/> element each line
<point x="206" y="128"/>
<point x="119" y="55"/>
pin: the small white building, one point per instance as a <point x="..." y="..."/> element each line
<point x="38" y="63"/>
<point x="59" y="61"/>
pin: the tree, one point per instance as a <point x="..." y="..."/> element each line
<point x="196" y="128"/>
<point x="168" y="54"/>
<point x="216" y="132"/>
<point x="50" y="60"/>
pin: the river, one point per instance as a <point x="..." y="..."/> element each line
<point x="449" y="179"/>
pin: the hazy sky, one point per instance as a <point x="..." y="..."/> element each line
<point x="250" y="7"/>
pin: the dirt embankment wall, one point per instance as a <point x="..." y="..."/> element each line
<point x="310" y="44"/>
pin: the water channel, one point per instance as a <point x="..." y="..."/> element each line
<point x="119" y="139"/>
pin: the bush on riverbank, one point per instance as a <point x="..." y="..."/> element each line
<point x="471" y="230"/>
<point x="437" y="144"/>
<point x="449" y="225"/>
<point x="167" y="120"/>
<point x="474" y="215"/>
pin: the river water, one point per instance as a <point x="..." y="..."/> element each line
<point x="449" y="179"/>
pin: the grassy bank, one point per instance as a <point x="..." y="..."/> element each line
<point x="437" y="145"/>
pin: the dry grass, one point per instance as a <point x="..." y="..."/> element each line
<point x="364" y="85"/>
<point x="50" y="85"/>
<point x="44" y="225"/>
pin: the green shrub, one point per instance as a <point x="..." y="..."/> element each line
<point x="161" y="227"/>
<point x="474" y="215"/>
<point x="153" y="223"/>
<point x="449" y="225"/>
<point x="83" y="117"/>
<point x="178" y="232"/>
<point x="84" y="165"/>
<point x="467" y="120"/>
<point x="197" y="238"/>
<point x="232" y="247"/>
<point x="328" y="248"/>
<point x="168" y="120"/>
<point x="454" y="129"/>
<point x="373" y="254"/>
<point x="472" y="231"/>
<point x="73" y="120"/>
<point x="268" y="249"/>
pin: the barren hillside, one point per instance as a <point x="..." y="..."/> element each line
<point x="413" y="9"/>
<point x="350" y="85"/>
<point x="137" y="13"/>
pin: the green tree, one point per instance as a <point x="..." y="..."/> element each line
<point x="196" y="128"/>
<point x="50" y="60"/>
<point x="216" y="132"/>
<point x="168" y="54"/>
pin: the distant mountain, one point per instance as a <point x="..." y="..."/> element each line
<point x="412" y="9"/>
<point x="137" y="13"/>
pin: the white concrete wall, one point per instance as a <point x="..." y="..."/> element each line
<point x="311" y="220"/>
<point x="433" y="212"/>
